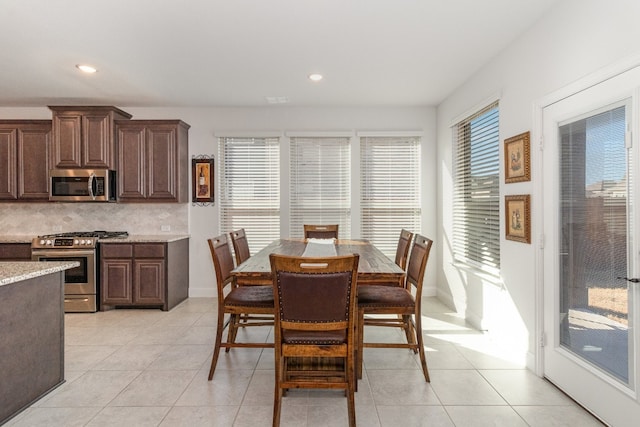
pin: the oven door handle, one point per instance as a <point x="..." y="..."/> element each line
<point x="69" y="253"/>
<point x="77" y="299"/>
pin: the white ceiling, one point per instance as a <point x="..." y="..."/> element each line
<point x="200" y="53"/>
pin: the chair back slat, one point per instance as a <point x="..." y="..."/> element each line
<point x="312" y="231"/>
<point x="402" y="251"/>
<point x="418" y="263"/>
<point x="222" y="262"/>
<point x="240" y="245"/>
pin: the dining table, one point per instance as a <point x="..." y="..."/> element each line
<point x="374" y="267"/>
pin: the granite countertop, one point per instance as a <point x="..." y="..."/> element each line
<point x="133" y="238"/>
<point x="11" y="272"/>
<point x="147" y="238"/>
<point x="18" y="238"/>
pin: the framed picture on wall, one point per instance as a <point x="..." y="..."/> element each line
<point x="202" y="180"/>
<point x="518" y="218"/>
<point x="517" y="163"/>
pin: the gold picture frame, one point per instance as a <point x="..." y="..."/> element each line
<point x="202" y="180"/>
<point x="518" y="218"/>
<point x="517" y="158"/>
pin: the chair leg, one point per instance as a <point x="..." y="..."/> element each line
<point x="216" y="347"/>
<point x="360" y="347"/>
<point x="278" y="392"/>
<point x="352" y="386"/>
<point x="423" y="359"/>
<point x="410" y="331"/>
<point x="276" y="406"/>
<point x="351" y="407"/>
<point x="233" y="331"/>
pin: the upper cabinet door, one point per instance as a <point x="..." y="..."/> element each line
<point x="67" y="144"/>
<point x="98" y="149"/>
<point x="8" y="182"/>
<point x="131" y="162"/>
<point x="25" y="160"/>
<point x="84" y="137"/>
<point x="152" y="161"/>
<point x="162" y="163"/>
<point x="34" y="162"/>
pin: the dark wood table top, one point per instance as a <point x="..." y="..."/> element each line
<point x="374" y="267"/>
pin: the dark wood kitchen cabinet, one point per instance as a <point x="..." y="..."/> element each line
<point x="84" y="137"/>
<point x="153" y="164"/>
<point x="15" y="251"/>
<point x="144" y="274"/>
<point x="25" y="159"/>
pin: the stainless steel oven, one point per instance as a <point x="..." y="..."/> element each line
<point x="81" y="283"/>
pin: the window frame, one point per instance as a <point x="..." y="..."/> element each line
<point x="402" y="151"/>
<point x="328" y="207"/>
<point x="473" y="245"/>
<point x="261" y="221"/>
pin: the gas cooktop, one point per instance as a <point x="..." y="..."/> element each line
<point x="100" y="234"/>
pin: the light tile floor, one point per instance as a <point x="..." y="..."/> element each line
<point x="149" y="368"/>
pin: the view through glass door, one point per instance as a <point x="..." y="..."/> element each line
<point x="589" y="222"/>
<point x="594" y="300"/>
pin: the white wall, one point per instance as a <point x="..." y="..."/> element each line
<point x="206" y="122"/>
<point x="576" y="38"/>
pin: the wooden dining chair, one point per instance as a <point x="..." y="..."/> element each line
<point x="315" y="313"/>
<point x="320" y="231"/>
<point x="245" y="305"/>
<point x="399" y="301"/>
<point x="240" y="245"/>
<point x="402" y="251"/>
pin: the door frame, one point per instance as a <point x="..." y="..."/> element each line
<point x="537" y="145"/>
<point x="626" y="73"/>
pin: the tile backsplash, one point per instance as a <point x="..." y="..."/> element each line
<point x="136" y="218"/>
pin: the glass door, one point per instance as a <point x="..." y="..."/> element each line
<point x="589" y="222"/>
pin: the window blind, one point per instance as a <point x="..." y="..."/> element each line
<point x="320" y="183"/>
<point x="390" y="189"/>
<point x="250" y="188"/>
<point x="476" y="199"/>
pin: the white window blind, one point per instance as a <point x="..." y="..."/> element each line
<point x="476" y="201"/>
<point x="390" y="189"/>
<point x="250" y="188"/>
<point x="320" y="183"/>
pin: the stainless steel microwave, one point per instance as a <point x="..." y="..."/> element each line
<point x="82" y="185"/>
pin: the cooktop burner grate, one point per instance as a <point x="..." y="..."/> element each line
<point x="98" y="234"/>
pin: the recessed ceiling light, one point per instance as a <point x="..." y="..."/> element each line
<point x="86" y="68"/>
<point x="315" y="77"/>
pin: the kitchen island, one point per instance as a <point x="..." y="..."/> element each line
<point x="31" y="332"/>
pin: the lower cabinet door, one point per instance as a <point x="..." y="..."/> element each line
<point x="149" y="281"/>
<point x="116" y="282"/>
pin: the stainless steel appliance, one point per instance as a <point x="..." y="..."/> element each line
<point x="82" y="185"/>
<point x="81" y="283"/>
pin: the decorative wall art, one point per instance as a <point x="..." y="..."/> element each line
<point x="518" y="218"/>
<point x="517" y="158"/>
<point x="202" y="180"/>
